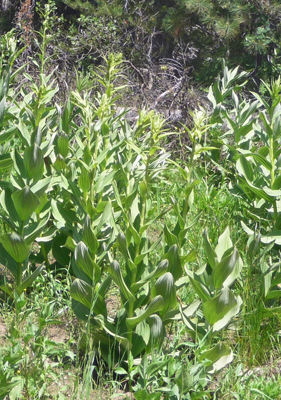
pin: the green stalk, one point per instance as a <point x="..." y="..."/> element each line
<point x="272" y="174"/>
<point x="96" y="139"/>
<point x="134" y="274"/>
<point x="191" y="157"/>
<point x="45" y="255"/>
<point x="19" y="264"/>
<point x="19" y="274"/>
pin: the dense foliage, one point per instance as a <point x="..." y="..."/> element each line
<point x="96" y="210"/>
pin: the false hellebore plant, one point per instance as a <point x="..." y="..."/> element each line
<point x="82" y="188"/>
<point x="107" y="178"/>
<point x="25" y="140"/>
<point x="253" y="142"/>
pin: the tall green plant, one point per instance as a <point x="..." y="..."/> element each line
<point x="253" y="141"/>
<point x="103" y="213"/>
<point x="29" y="120"/>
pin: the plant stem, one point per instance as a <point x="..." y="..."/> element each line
<point x="19" y="274"/>
<point x="272" y="173"/>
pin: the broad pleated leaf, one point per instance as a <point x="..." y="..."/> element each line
<point x="165" y="287"/>
<point x="81" y="311"/>
<point x="63" y="145"/>
<point x="110" y="329"/>
<point x="262" y="160"/>
<point x="143" y="330"/>
<point x="157" y="330"/>
<point x="211" y="254"/>
<point x="9" y="262"/>
<point x="34" y="162"/>
<point x="122" y="245"/>
<point x="224" y="243"/>
<point x="82" y="292"/>
<point x="220" y="355"/>
<point x="171" y="239"/>
<point x="199" y="287"/>
<point x="227" y="270"/>
<point x="156" y="304"/>
<point x="174" y="262"/>
<point x="118" y="279"/>
<point x="160" y="270"/>
<point x="88" y="235"/>
<point x="218" y="307"/>
<point x="84" y="181"/>
<point x="6" y="162"/>
<point x="33" y="230"/>
<point x="15" y="246"/>
<point x="25" y="202"/>
<point x="84" y="261"/>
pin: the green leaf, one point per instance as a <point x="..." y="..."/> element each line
<point x="88" y="236"/>
<point x="9" y="262"/>
<point x="143" y="330"/>
<point x="29" y="279"/>
<point x="33" y="230"/>
<point x="19" y="164"/>
<point x="262" y="160"/>
<point x="220" y="310"/>
<point x="63" y="214"/>
<point x="260" y="193"/>
<point x="165" y="286"/>
<point x="273" y="236"/>
<point x="170" y="238"/>
<point x="227" y="270"/>
<point x="271" y="192"/>
<point x="84" y="181"/>
<point x="2" y="110"/>
<point x="105" y="179"/>
<point x="81" y="311"/>
<point x="15" y="246"/>
<point x="84" y="261"/>
<point x="244" y="168"/>
<point x="220" y="356"/>
<point x="25" y="202"/>
<point x="224" y="243"/>
<point x="160" y="270"/>
<point x="63" y="146"/>
<point x="8" y="206"/>
<point x="82" y="292"/>
<point x="174" y="262"/>
<point x="199" y="287"/>
<point x="34" y="162"/>
<point x="109" y="328"/>
<point x="157" y="330"/>
<point x="60" y="252"/>
<point x="6" y="162"/>
<point x="118" y="279"/>
<point x="156" y="304"/>
<point x="134" y="209"/>
<point x="277" y="183"/>
<point x="122" y="245"/>
<point x="209" y="250"/>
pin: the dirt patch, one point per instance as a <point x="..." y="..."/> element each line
<point x="112" y="305"/>
<point x="3" y="332"/>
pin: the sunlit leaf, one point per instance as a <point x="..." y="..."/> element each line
<point x="165" y="286"/>
<point x="155" y="305"/>
<point x="25" y="202"/>
<point x="220" y="355"/>
<point x="34" y="162"/>
<point x="15" y="246"/>
<point x="224" y="243"/>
